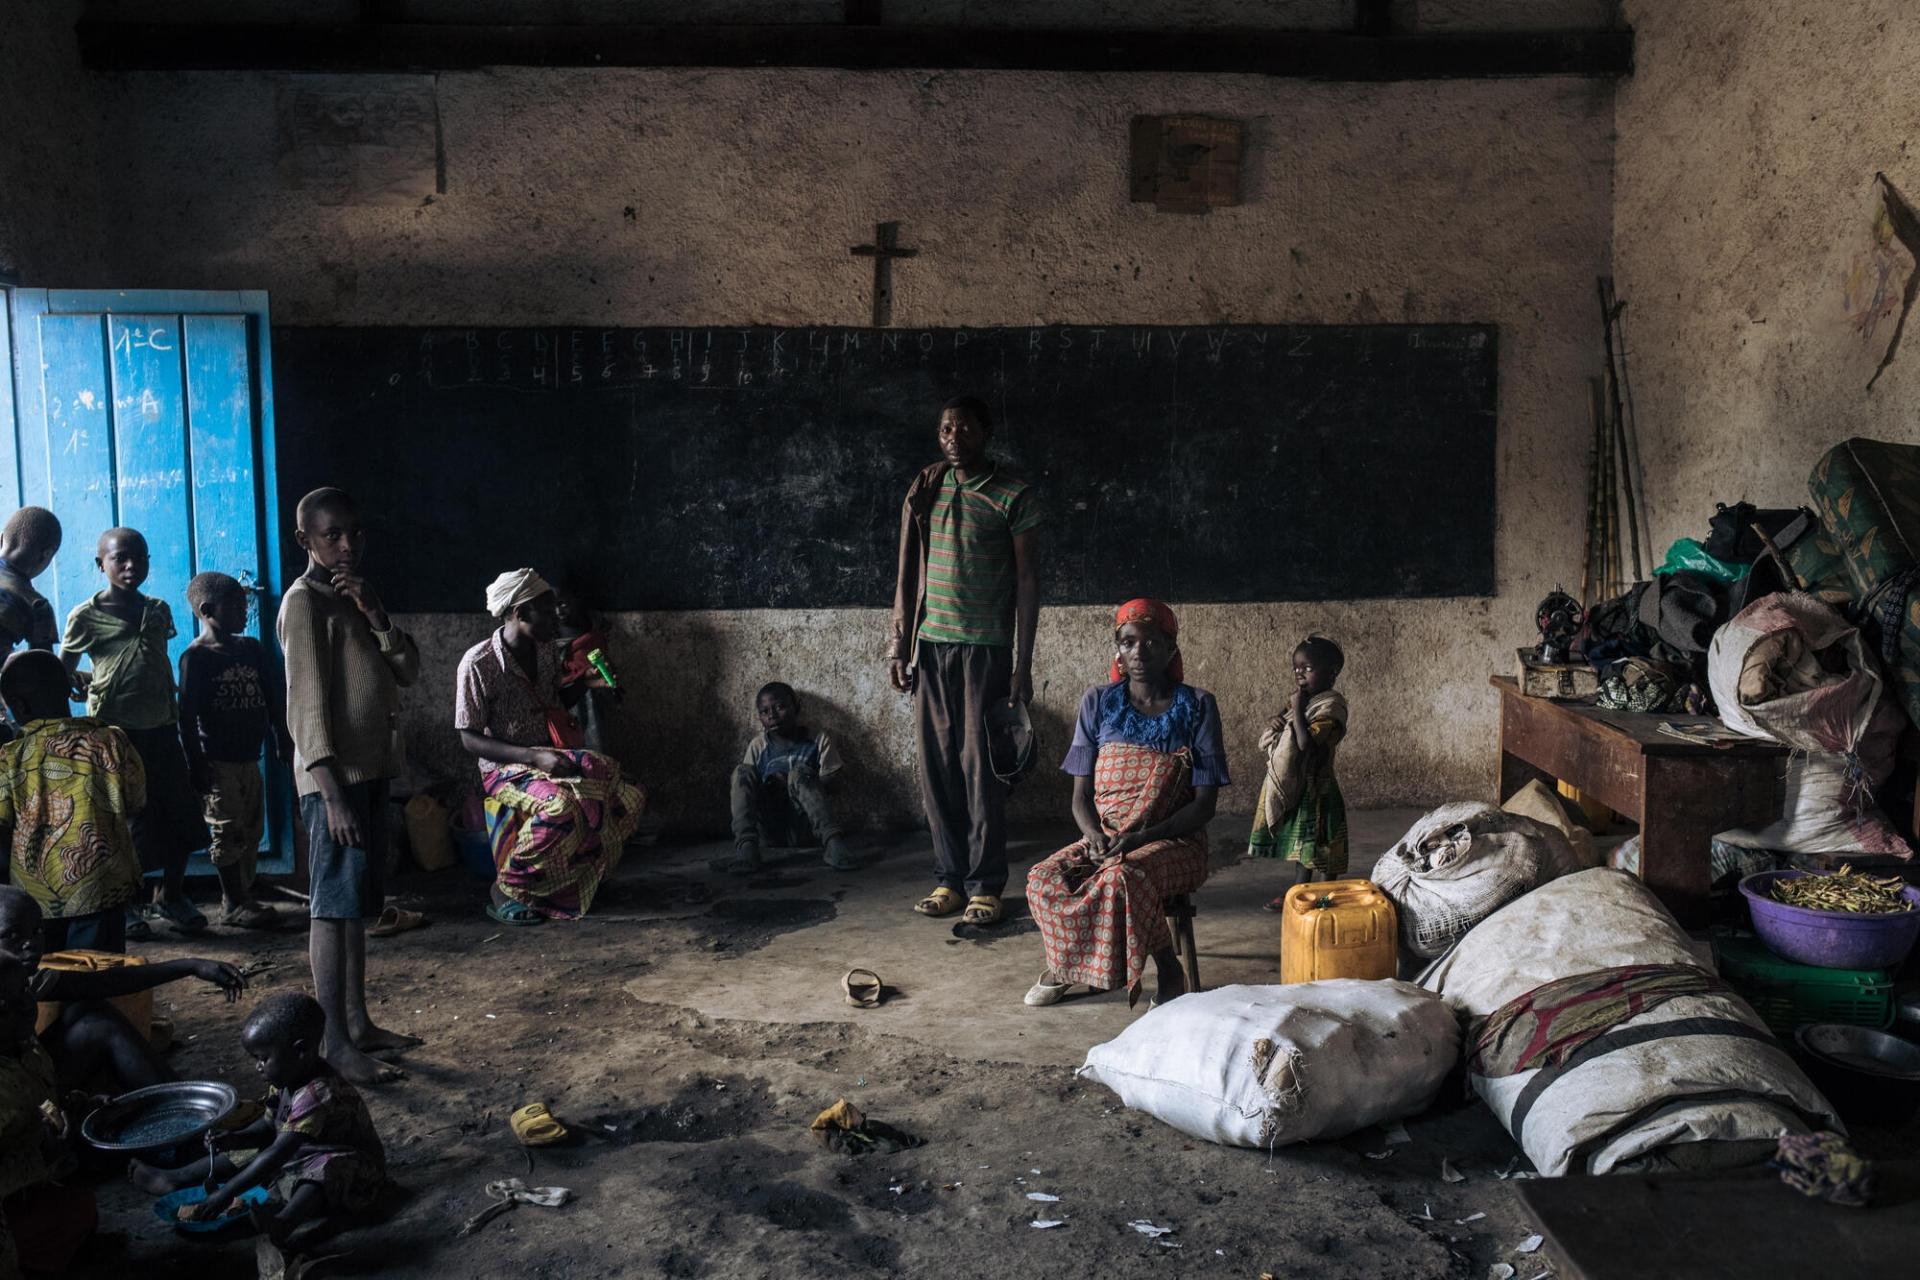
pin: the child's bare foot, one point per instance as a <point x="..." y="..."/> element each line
<point x="358" y="1068"/>
<point x="151" y="1179"/>
<point x="379" y="1039"/>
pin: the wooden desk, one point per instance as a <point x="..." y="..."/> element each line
<point x="1681" y="794"/>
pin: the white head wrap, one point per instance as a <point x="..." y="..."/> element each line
<point x="514" y="587"/>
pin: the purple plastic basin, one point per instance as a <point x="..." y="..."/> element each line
<point x="1830" y="939"/>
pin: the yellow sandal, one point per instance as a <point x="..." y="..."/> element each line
<point x="941" y="902"/>
<point x="535" y="1126"/>
<point x="983" y="909"/>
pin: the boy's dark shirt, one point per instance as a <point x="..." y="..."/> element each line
<point x="224" y="696"/>
<point x="25" y="613"/>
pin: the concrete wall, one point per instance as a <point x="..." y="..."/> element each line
<point x="644" y="198"/>
<point x="1411" y="202"/>
<point x="1760" y="292"/>
<point x="51" y="215"/>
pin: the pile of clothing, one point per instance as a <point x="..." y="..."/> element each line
<point x="1836" y="607"/>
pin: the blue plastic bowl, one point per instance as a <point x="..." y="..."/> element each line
<point x="167" y="1205"/>
<point x="1830" y="939"/>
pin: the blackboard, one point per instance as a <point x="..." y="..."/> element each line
<point x="761" y="467"/>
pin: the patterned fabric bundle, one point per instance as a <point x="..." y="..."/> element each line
<point x="1547" y="1024"/>
<point x="555" y="839"/>
<point x="1825" y="1166"/>
<point x="1100" y="920"/>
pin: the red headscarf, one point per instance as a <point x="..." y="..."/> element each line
<point x="1157" y="613"/>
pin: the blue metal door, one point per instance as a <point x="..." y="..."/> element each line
<point x="152" y="410"/>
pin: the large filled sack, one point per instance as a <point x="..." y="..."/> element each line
<point x="1791" y="669"/>
<point x="1662" y="1066"/>
<point x="1868" y="495"/>
<point x="1538" y="801"/>
<point x="1265" y="1066"/>
<point x="1461" y="863"/>
<point x="1823" y="809"/>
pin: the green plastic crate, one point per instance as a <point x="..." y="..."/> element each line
<point x="1787" y="995"/>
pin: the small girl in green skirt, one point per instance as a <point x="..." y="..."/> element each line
<point x="1301" y="816"/>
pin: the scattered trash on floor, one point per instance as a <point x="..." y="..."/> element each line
<point x="273" y="1264"/>
<point x="1450" y="1174"/>
<point x="1146" y="1228"/>
<point x="1472" y="1217"/>
<point x="509" y="1192"/>
<point x="842" y="1127"/>
<point x="1043" y="1197"/>
<point x="1379" y="1155"/>
<point x="1500" y="1271"/>
<point x="1530" y="1244"/>
<point x="1043" y="1223"/>
<point x="1397" y="1134"/>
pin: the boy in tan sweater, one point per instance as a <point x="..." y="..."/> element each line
<point x="346" y="663"/>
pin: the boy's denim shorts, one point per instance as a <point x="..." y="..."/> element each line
<point x="347" y="882"/>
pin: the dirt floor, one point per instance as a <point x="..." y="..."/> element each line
<point x="693" y="1027"/>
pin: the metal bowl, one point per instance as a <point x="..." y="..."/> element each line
<point x="1871" y="1076"/>
<point x="159" y="1116"/>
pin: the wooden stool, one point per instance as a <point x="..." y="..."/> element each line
<point x="1180" y="912"/>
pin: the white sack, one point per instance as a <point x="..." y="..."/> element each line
<point x="1789" y="668"/>
<point x="1262" y="1066"/>
<point x="1459" y="864"/>
<point x="1538" y="801"/>
<point x="1824" y="810"/>
<point x="1711" y="1072"/>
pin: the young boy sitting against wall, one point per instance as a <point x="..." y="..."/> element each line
<point x="779" y="789"/>
<point x="230" y="698"/>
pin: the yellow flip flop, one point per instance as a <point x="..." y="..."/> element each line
<point x="941" y="902"/>
<point x="535" y="1126"/>
<point x="983" y="909"/>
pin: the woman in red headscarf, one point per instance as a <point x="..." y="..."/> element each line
<point x="1147" y="763"/>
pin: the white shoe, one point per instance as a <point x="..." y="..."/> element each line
<point x="1044" y="992"/>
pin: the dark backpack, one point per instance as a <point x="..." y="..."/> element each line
<point x="1731" y="537"/>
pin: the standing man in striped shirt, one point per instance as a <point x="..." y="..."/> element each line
<point x="966" y="599"/>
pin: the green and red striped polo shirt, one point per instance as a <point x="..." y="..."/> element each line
<point x="970" y="578"/>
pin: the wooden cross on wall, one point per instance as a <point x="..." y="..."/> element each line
<point x="884" y="249"/>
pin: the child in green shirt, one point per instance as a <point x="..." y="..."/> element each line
<point x="124" y="636"/>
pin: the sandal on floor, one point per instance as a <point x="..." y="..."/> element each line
<point x="983" y="909"/>
<point x="746" y="860"/>
<point x="1043" y="993"/>
<point x="181" y="914"/>
<point x="941" y="902"/>
<point x="138" y="930"/>
<point x="863" y="988"/>
<point x="512" y="912"/>
<point x="396" y="920"/>
<point x="1275" y="905"/>
<point x="249" y="915"/>
<point x="535" y="1126"/>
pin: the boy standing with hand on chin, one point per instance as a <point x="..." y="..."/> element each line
<point x="346" y="663"/>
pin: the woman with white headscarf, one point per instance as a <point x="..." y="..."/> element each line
<point x="557" y="815"/>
